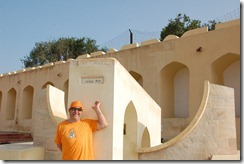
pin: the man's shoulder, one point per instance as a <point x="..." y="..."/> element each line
<point x="87" y="120"/>
<point x="63" y="123"/>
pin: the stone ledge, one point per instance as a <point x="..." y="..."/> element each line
<point x="21" y="151"/>
<point x="227" y="157"/>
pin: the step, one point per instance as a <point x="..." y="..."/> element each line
<point x="21" y="151"/>
<point x="227" y="157"/>
<point x="14" y="137"/>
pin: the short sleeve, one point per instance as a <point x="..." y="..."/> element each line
<point x="58" y="137"/>
<point x="93" y="124"/>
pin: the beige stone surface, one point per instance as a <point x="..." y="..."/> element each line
<point x="236" y="156"/>
<point x="148" y="42"/>
<point x="56" y="105"/>
<point x="211" y="132"/>
<point x="21" y="151"/>
<point x="45" y="126"/>
<point x="129" y="46"/>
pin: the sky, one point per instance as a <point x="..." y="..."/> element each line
<point x="26" y="22"/>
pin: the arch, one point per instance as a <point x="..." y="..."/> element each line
<point x="145" y="142"/>
<point x="28" y="93"/>
<point x="226" y="71"/>
<point x="137" y="77"/>
<point x="11" y="102"/>
<point x="130" y="133"/>
<point x="47" y="83"/>
<point x="172" y="77"/>
<point x="220" y="64"/>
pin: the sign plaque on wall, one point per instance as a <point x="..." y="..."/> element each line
<point x="92" y="79"/>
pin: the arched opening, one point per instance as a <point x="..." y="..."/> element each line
<point x="181" y="92"/>
<point x="27" y="102"/>
<point x="47" y="83"/>
<point x="130" y="133"/>
<point x="137" y="77"/>
<point x="220" y="64"/>
<point x="174" y="90"/>
<point x="145" y="142"/>
<point x="226" y="71"/>
<point x="11" y="101"/>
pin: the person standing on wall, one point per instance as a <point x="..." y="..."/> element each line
<point x="74" y="135"/>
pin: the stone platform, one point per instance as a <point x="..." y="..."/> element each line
<point x="21" y="151"/>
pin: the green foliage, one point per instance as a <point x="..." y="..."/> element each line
<point x="65" y="48"/>
<point x="59" y="50"/>
<point x="211" y="25"/>
<point x="181" y="24"/>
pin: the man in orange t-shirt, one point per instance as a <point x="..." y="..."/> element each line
<point x="74" y="136"/>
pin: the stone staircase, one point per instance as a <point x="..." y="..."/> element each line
<point x="14" y="137"/>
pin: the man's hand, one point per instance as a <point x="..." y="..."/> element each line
<point x="96" y="105"/>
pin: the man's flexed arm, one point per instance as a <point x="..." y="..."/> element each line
<point x="102" y="122"/>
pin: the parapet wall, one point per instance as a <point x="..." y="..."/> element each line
<point x="19" y="94"/>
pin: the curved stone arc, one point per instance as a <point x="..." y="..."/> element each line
<point x="56" y="105"/>
<point x="170" y="37"/>
<point x="111" y="50"/>
<point x="129" y="46"/>
<point x="148" y="42"/>
<point x="195" y="31"/>
<point x="188" y="129"/>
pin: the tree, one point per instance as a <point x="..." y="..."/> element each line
<point x="59" y="50"/>
<point x="181" y="24"/>
<point x="211" y="24"/>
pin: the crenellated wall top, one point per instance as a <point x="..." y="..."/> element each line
<point x="129" y="46"/>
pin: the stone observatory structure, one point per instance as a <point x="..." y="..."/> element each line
<point x="176" y="99"/>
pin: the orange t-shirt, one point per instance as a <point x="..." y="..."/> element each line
<point x="76" y="139"/>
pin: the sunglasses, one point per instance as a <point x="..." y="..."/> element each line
<point x="74" y="109"/>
